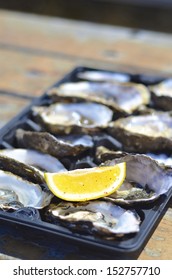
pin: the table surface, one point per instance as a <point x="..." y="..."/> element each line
<point x="36" y="51"/>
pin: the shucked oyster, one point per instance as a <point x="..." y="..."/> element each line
<point x="73" y="117"/>
<point x="34" y="158"/>
<point x="123" y="98"/>
<point x="95" y="216"/>
<point x="144" y="134"/>
<point x="16" y="192"/>
<point x="145" y="180"/>
<point x="162" y="94"/>
<point x="21" y="169"/>
<point x="49" y="144"/>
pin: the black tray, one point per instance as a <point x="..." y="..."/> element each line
<point x="29" y="237"/>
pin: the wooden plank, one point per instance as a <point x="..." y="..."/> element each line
<point x="10" y="107"/>
<point x="30" y="74"/>
<point x="147" y="51"/>
<point x="158" y="247"/>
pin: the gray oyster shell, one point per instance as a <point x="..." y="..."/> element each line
<point x="16" y="192"/>
<point x="49" y="144"/>
<point x="104" y="218"/>
<point x="144" y="176"/>
<point x="122" y="98"/>
<point x="66" y="118"/>
<point x="43" y="162"/>
<point x="145" y="133"/>
<point x="161" y="158"/>
<point x="21" y="169"/>
<point x="162" y="94"/>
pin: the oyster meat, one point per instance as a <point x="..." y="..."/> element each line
<point x="104" y="218"/>
<point x="65" y="118"/>
<point x="56" y="146"/>
<point x="103" y="76"/>
<point x="122" y="98"/>
<point x="144" y="134"/>
<point x="15" y="192"/>
<point x="162" y="94"/>
<point x="145" y="179"/>
<point x="34" y="158"/>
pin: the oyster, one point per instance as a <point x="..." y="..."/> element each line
<point x="145" y="180"/>
<point x="162" y="94"/>
<point x="162" y="158"/>
<point x="15" y="192"/>
<point x="96" y="217"/>
<point x="103" y="76"/>
<point x="34" y="158"/>
<point x="122" y="98"/>
<point x="73" y="117"/>
<point x="20" y="169"/>
<point x="144" y="134"/>
<point x="49" y="144"/>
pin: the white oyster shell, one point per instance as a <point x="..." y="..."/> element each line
<point x="66" y="117"/>
<point x="35" y="159"/>
<point x="147" y="173"/>
<point x="14" y="188"/>
<point x="123" y="98"/>
<point x="103" y="217"/>
<point x="103" y="76"/>
<point x="145" y="133"/>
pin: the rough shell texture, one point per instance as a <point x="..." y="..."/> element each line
<point x="123" y="98"/>
<point x="20" y="169"/>
<point x="49" y="144"/>
<point x="144" y="134"/>
<point x="96" y="217"/>
<point x="162" y="94"/>
<point x="146" y="172"/>
<point x="16" y="190"/>
<point x="66" y="118"/>
<point x="34" y="158"/>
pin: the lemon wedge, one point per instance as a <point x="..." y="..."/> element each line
<point x="86" y="184"/>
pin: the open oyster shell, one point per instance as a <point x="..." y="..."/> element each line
<point x="66" y="118"/>
<point x="34" y="158"/>
<point x="16" y="192"/>
<point x="122" y="98"/>
<point x="162" y="94"/>
<point x="21" y="169"/>
<point x="96" y="217"/>
<point x="145" y="133"/>
<point x="103" y="76"/>
<point x="145" y="179"/>
<point x="49" y="144"/>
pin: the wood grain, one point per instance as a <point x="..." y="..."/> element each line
<point x="37" y="51"/>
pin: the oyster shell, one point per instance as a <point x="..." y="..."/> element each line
<point x="162" y="158"/>
<point x="20" y="169"/>
<point x="95" y="216"/>
<point x="145" y="180"/>
<point x="122" y="98"/>
<point x="103" y="76"/>
<point x="77" y="118"/>
<point x="34" y="158"/>
<point x="49" y="144"/>
<point x="162" y="94"/>
<point x="144" y="134"/>
<point x="16" y="192"/>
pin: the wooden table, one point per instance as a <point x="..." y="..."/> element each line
<point x="36" y="51"/>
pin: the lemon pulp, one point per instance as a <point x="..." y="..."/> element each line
<point x="86" y="184"/>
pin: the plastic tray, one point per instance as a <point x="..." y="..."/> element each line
<point x="48" y="241"/>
